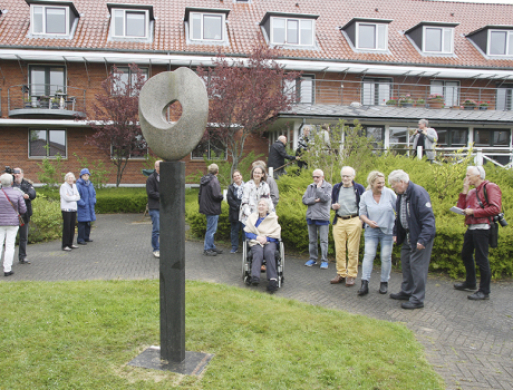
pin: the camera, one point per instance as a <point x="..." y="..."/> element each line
<point x="8" y="169"/>
<point x="500" y="218"/>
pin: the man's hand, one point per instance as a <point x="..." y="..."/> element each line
<point x="298" y="158"/>
<point x="317" y="200"/>
<point x="420" y="246"/>
<point x="335" y="206"/>
<point x="395" y="239"/>
<point x="469" y="211"/>
<point x="25" y="196"/>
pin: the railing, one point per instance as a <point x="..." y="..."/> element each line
<point x="377" y="92"/>
<point x="62" y="98"/>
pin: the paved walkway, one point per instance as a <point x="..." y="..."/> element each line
<point x="469" y="343"/>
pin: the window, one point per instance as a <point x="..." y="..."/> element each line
<point x="128" y="23"/>
<point x="46" y="80"/>
<point x="206" y="26"/>
<point x="449" y="89"/>
<point x="491" y="137"/>
<point x="212" y="149"/>
<point x="375" y="92"/>
<point x="452" y="137"/>
<point x="128" y="78"/>
<point x="438" y="40"/>
<point x="301" y="90"/>
<point x="140" y="150"/>
<point x="49" y="20"/>
<point x="286" y="31"/>
<point x="47" y="143"/>
<point x="371" y="36"/>
<point x="376" y="132"/>
<point x="504" y="98"/>
<point x="500" y="43"/>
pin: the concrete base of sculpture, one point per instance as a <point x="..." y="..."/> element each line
<point x="194" y="363"/>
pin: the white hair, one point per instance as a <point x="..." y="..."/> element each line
<point x="282" y="138"/>
<point x="346" y="167"/>
<point x="319" y="171"/>
<point x="478" y="170"/>
<point x="425" y="121"/>
<point x="6" y="180"/>
<point x="397" y="176"/>
<point x="267" y="201"/>
<point x="69" y="174"/>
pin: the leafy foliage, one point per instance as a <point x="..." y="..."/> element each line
<point x="99" y="172"/>
<point x="51" y="171"/>
<point x="46" y="222"/>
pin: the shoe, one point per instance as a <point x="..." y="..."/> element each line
<point x="234" y="251"/>
<point x="82" y="243"/>
<point x="464" y="286"/>
<point x="255" y="281"/>
<point x="310" y="263"/>
<point x="400" y="296"/>
<point x="412" y="306"/>
<point x="337" y="279"/>
<point x="156" y="254"/>
<point x="364" y="289"/>
<point x="66" y="249"/>
<point x="8" y="273"/>
<point x="74" y="246"/>
<point x="210" y="252"/>
<point x="350" y="281"/>
<point x="88" y="240"/>
<point x="272" y="287"/>
<point x="479" y="296"/>
<point x="383" y="287"/>
<point x="218" y="251"/>
<point x="324" y="265"/>
<point x="24" y="261"/>
<point x="263" y="268"/>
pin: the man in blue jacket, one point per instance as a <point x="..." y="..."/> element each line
<point x="415" y="229"/>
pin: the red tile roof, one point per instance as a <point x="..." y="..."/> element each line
<point x="244" y="31"/>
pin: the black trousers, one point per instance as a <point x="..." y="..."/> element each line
<point x="69" y="219"/>
<point x="22" y="250"/>
<point x="475" y="245"/>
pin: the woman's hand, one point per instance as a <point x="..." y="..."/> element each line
<point x="373" y="224"/>
<point x="262" y="239"/>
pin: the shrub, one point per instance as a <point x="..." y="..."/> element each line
<point x="121" y="200"/>
<point x="46" y="221"/>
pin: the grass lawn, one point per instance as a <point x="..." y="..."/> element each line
<point x="81" y="335"/>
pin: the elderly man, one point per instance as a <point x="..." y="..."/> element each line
<point x="347" y="227"/>
<point x="415" y="229"/>
<point x="425" y="137"/>
<point x="318" y="199"/>
<point x="152" y="190"/>
<point x="210" y="198"/>
<point x="277" y="156"/>
<point x="480" y="205"/>
<point x="29" y="194"/>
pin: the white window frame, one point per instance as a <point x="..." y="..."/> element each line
<point x="445" y="30"/>
<point x="125" y="10"/>
<point x="45" y="7"/>
<point x="509" y="38"/>
<point x="450" y="89"/>
<point x="376" y="90"/>
<point x="302" y="90"/>
<point x="376" y="25"/>
<point x="203" y="14"/>
<point x="299" y="20"/>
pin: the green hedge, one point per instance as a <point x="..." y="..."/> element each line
<point x="443" y="182"/>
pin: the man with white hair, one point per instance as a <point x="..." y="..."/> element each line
<point x="277" y="156"/>
<point x="480" y="205"/>
<point x="318" y="199"/>
<point x="426" y="138"/>
<point x="347" y="227"/>
<point x="415" y="230"/>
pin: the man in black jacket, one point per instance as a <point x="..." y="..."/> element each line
<point x="152" y="189"/>
<point x="277" y="156"/>
<point x="29" y="194"/>
<point x="210" y="198"/>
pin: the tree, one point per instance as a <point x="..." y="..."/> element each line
<point x="245" y="97"/>
<point x="118" y="133"/>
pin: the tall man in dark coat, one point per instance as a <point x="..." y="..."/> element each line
<point x="29" y="194"/>
<point x="210" y="198"/>
<point x="277" y="156"/>
<point x="152" y="189"/>
<point x="415" y="230"/>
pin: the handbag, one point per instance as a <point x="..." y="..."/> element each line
<point x="20" y="218"/>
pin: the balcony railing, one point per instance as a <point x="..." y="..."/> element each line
<point x="377" y="92"/>
<point x="65" y="102"/>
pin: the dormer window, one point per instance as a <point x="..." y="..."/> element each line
<point x="286" y="29"/>
<point x="367" y="34"/>
<point x="500" y="43"/>
<point x="52" y="18"/>
<point x="438" y="39"/>
<point x="206" y="24"/>
<point x="130" y="21"/>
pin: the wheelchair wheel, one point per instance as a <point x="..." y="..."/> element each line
<point x="246" y="276"/>
<point x="281" y="266"/>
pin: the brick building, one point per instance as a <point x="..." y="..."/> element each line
<point x="378" y="62"/>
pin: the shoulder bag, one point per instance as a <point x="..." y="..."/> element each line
<point x="494" y="227"/>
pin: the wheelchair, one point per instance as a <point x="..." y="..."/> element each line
<point x="247" y="259"/>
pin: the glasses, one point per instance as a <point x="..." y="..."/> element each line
<point x="346" y="176"/>
<point x="316" y="177"/>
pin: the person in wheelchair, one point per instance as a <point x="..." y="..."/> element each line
<point x="263" y="232"/>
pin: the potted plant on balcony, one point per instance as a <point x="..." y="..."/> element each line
<point x="54" y="103"/>
<point x="435" y="100"/>
<point x="420" y="103"/>
<point x="483" y="106"/>
<point x="27" y="102"/>
<point x="44" y="101"/>
<point x="391" y="102"/>
<point x="469" y="104"/>
<point x="406" y="101"/>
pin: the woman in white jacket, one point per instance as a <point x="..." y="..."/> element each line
<point x="69" y="197"/>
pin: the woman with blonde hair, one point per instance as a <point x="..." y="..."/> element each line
<point x="69" y="197"/>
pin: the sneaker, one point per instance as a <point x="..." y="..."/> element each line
<point x="324" y="265"/>
<point x="218" y="251"/>
<point x="66" y="249"/>
<point x="74" y="247"/>
<point x="272" y="286"/>
<point x="310" y="263"/>
<point x="234" y="251"/>
<point x="210" y="253"/>
<point x="156" y="254"/>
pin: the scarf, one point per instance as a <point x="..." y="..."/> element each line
<point x="268" y="228"/>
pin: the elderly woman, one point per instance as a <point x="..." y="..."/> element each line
<point x="69" y="198"/>
<point x="234" y="197"/>
<point x="263" y="231"/>
<point x="86" y="213"/>
<point x="12" y="205"/>
<point x="377" y="211"/>
<point x="254" y="190"/>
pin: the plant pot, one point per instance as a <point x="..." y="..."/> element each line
<point x="406" y="104"/>
<point x="435" y="103"/>
<point x="27" y="105"/>
<point x="469" y="108"/>
<point x="483" y="108"/>
<point x="33" y="101"/>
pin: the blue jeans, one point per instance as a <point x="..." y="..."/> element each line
<point x="155" y="233"/>
<point x="386" y="242"/>
<point x="234" y="234"/>
<point x="211" y="230"/>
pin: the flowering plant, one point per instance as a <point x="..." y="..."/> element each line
<point x="484" y="104"/>
<point x="470" y="103"/>
<point x="436" y="96"/>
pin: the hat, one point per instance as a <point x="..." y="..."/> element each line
<point x="84" y="171"/>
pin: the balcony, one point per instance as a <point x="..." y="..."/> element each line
<point x="67" y="103"/>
